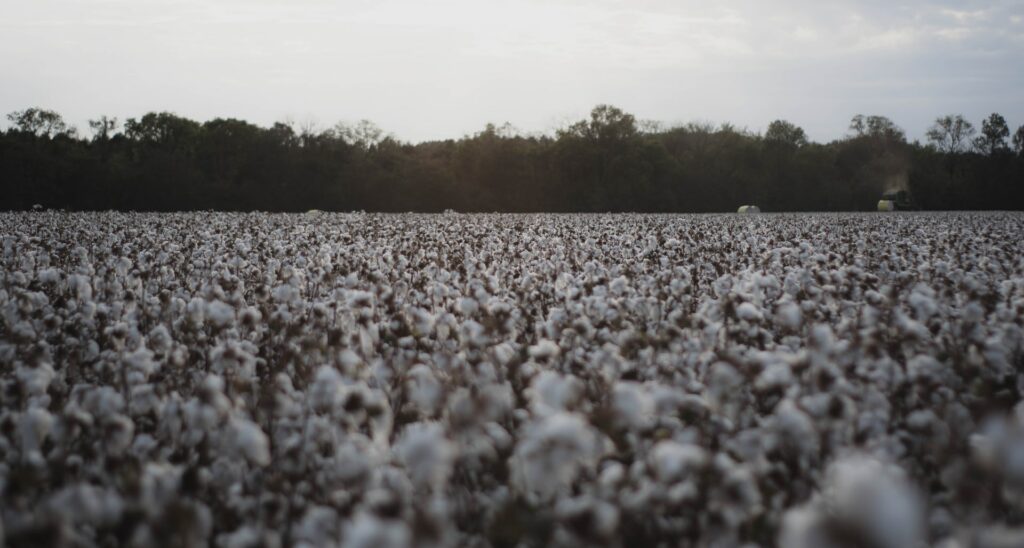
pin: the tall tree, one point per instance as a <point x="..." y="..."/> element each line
<point x="103" y="128"/>
<point x="994" y="133"/>
<point x="224" y="147"/>
<point x="164" y="130"/>
<point x="1018" y="141"/>
<point x="876" y="126"/>
<point x="363" y="134"/>
<point x="785" y="133"/>
<point x="40" y="122"/>
<point x="607" y="123"/>
<point x="602" y="159"/>
<point x="950" y="133"/>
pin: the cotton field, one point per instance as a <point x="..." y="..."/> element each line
<point x="365" y="380"/>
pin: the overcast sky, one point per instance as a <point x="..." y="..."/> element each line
<point x="425" y="70"/>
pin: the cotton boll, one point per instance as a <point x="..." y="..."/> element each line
<point x="196" y="311"/>
<point x="212" y="394"/>
<point x="427" y="454"/>
<point x="35" y="380"/>
<point x="100" y="402"/>
<point x="118" y="335"/>
<point x="473" y="334"/>
<point x="467" y="306"/>
<point x="140" y="365"/>
<point x="317" y="527"/>
<point x="368" y="531"/>
<point x="749" y="312"/>
<point x="551" y="392"/>
<point x="587" y="517"/>
<point x="910" y="327"/>
<point x="822" y="337"/>
<point x="350" y="363"/>
<point x="122" y="266"/>
<point x="922" y="300"/>
<point x="247" y="440"/>
<point x="359" y="299"/>
<point x="619" y="285"/>
<point x="85" y="504"/>
<point x="495" y="401"/>
<point x="144" y="399"/>
<point x="285" y="294"/>
<point x="632" y="407"/>
<point x="220" y="314"/>
<point x="422" y="322"/>
<point x="325" y="393"/>
<point x="775" y="377"/>
<point x="611" y="476"/>
<point x="159" y="484"/>
<point x="999" y="448"/>
<point x="119" y="431"/>
<point x="49" y="276"/>
<point x="499" y="437"/>
<point x="789" y="316"/>
<point x="723" y="383"/>
<point x="794" y="430"/>
<point x="739" y="498"/>
<point x="503" y="353"/>
<point x="550" y="454"/>
<point x="498" y="308"/>
<point x="19" y="278"/>
<point x="354" y="461"/>
<point x="806" y="527"/>
<point x="672" y="461"/>
<point x="81" y="286"/>
<point x="544" y="349"/>
<point x="925" y="368"/>
<point x="921" y="420"/>
<point x="159" y="339"/>
<point x="874" y="501"/>
<point x="234" y="361"/>
<point x="33" y="428"/>
<point x="722" y="285"/>
<point x="425" y="392"/>
<point x="250" y="316"/>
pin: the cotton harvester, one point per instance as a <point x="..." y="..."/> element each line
<point x="896" y="201"/>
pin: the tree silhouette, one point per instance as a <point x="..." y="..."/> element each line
<point x="785" y="133"/>
<point x="607" y="161"/>
<point x="994" y="133"/>
<point x="103" y="128"/>
<point x="950" y="133"/>
<point x="40" y="122"/>
<point x="876" y="126"/>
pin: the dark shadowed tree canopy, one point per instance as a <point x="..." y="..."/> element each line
<point x="39" y="122"/>
<point x="994" y="134"/>
<point x="950" y="133"/>
<point x="785" y="133"/>
<point x="876" y="126"/>
<point x="609" y="161"/>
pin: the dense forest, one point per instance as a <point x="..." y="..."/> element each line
<point x="609" y="162"/>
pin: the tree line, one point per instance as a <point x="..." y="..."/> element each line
<point x="609" y="161"/>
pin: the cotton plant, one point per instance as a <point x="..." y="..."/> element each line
<point x="226" y="379"/>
